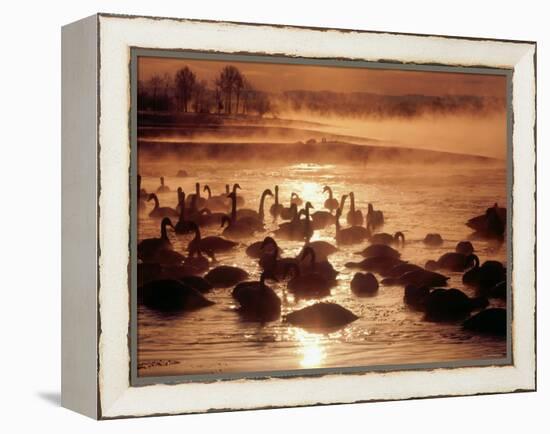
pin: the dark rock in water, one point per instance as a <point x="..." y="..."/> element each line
<point x="171" y="296"/>
<point x="450" y="304"/>
<point x="197" y="283"/>
<point x="225" y="276"/>
<point x="491" y="321"/>
<point x="416" y="296"/>
<point x="364" y="284"/>
<point x="321" y="316"/>
<point x="433" y="240"/>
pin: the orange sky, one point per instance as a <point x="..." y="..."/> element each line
<point x="280" y="77"/>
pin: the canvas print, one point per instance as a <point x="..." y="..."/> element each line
<point x="302" y="216"/>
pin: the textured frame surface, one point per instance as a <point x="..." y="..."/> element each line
<point x="116" y="36"/>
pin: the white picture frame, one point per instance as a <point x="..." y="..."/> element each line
<point x="96" y="378"/>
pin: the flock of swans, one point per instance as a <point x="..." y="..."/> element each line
<point x="174" y="281"/>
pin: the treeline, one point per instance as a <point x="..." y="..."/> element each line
<point x="230" y="93"/>
<point x="362" y="104"/>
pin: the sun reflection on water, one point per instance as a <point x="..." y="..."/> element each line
<point x="311" y="349"/>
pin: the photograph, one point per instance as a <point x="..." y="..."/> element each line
<point x="294" y="216"/>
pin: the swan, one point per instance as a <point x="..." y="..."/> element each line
<point x="258" y="302"/>
<point x="319" y="265"/>
<point x="238" y="229"/>
<point x="492" y="321"/>
<point x="480" y="222"/>
<point x="171" y="296"/>
<point x="276" y="209"/>
<point x="384" y="238"/>
<point x="195" y="201"/>
<point x="498" y="291"/>
<point x="364" y="284"/>
<point x="423" y="277"/>
<point x="250" y="222"/>
<point x="309" y="284"/>
<point x="256" y="215"/>
<point x="464" y="248"/>
<point x="322" y="249"/>
<point x="258" y="249"/>
<point x="379" y="250"/>
<point x="296" y="229"/>
<point x="320" y="316"/>
<point x="453" y="261"/>
<point x="182" y="226"/>
<point x="331" y="203"/>
<point x="239" y="199"/>
<point x="350" y="235"/>
<point x="212" y="244"/>
<point x="149" y="248"/>
<point x="290" y="212"/>
<point x="377" y="264"/>
<point x="433" y="240"/>
<point x="270" y="260"/>
<point x="225" y="276"/>
<point x="354" y="217"/>
<point x="161" y="212"/>
<point x="415" y="296"/>
<point x="486" y="276"/>
<point x="450" y="304"/>
<point x="196" y="282"/>
<point x="399" y="270"/>
<point x="197" y="263"/>
<point x="295" y="199"/>
<point x="215" y="203"/>
<point x="163" y="188"/>
<point x="374" y="218"/>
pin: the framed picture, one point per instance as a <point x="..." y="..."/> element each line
<point x="261" y="216"/>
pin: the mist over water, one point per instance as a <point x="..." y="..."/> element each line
<point x="415" y="199"/>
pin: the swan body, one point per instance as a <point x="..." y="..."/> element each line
<point x="464" y="248"/>
<point x="350" y="235"/>
<point x="258" y="249"/>
<point x="399" y="270"/>
<point x="423" y="278"/>
<point x="238" y="229"/>
<point x="433" y="240"/>
<point x="492" y="321"/>
<point x="195" y="201"/>
<point x="486" y="276"/>
<point x="364" y="284"/>
<point x="320" y="316"/>
<point x="211" y="244"/>
<point x="295" y="199"/>
<point x="258" y="302"/>
<point x="380" y="250"/>
<point x="450" y="304"/>
<point x="225" y="276"/>
<point x="215" y="203"/>
<point x="171" y="296"/>
<point x="384" y="238"/>
<point x="255" y="215"/>
<point x="322" y="219"/>
<point x="319" y="265"/>
<point x="453" y="261"/>
<point x="161" y="212"/>
<point x="196" y="282"/>
<point x="492" y="224"/>
<point x="377" y="264"/>
<point x="322" y="249"/>
<point x="149" y="248"/>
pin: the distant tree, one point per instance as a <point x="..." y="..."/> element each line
<point x="155" y="84"/>
<point x="200" y="101"/>
<point x="262" y="104"/>
<point x="185" y="84"/>
<point x="230" y="80"/>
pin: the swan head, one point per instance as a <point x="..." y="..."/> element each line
<point x="472" y="261"/>
<point x="236" y="186"/>
<point x="326" y="188"/>
<point x="166" y="222"/>
<point x="268" y="192"/>
<point x="268" y="241"/>
<point x="309" y="205"/>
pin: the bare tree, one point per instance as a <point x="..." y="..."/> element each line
<point x="230" y="80"/>
<point x="155" y="84"/>
<point x="200" y="101"/>
<point x="185" y="83"/>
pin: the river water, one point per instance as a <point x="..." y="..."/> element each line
<point x="415" y="200"/>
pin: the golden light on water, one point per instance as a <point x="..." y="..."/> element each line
<point x="311" y="349"/>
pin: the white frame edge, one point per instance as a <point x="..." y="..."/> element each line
<point x="116" y="36"/>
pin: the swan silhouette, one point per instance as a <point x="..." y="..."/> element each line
<point x="379" y="250"/>
<point x="364" y="284"/>
<point x="209" y="244"/>
<point x="149" y="249"/>
<point x="161" y="212"/>
<point x="171" y="296"/>
<point x="350" y="235"/>
<point x="374" y="218"/>
<point x="256" y="215"/>
<point x="276" y="209"/>
<point x="258" y="302"/>
<point x="433" y="240"/>
<point x="331" y="203"/>
<point x="295" y="199"/>
<point x="195" y="201"/>
<point x="453" y="261"/>
<point x="355" y="216"/>
<point x="225" y="276"/>
<point x="163" y="188"/>
<point x="397" y="238"/>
